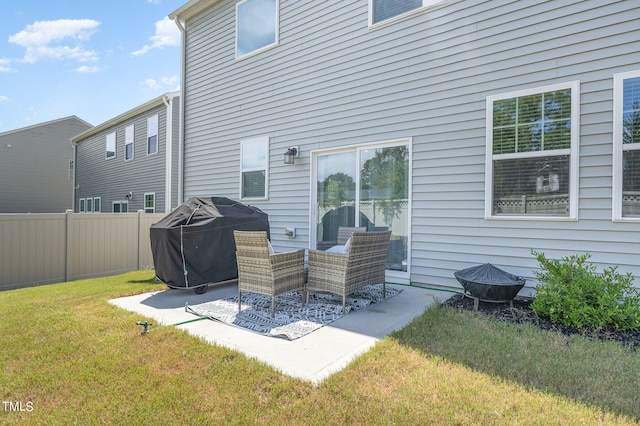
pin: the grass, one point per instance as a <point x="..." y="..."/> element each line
<point x="79" y="360"/>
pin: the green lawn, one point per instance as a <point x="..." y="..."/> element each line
<point x="70" y="357"/>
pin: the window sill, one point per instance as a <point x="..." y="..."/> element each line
<point x="534" y="218"/>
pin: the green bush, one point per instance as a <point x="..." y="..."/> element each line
<point x="571" y="292"/>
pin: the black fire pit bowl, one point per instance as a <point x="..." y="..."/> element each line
<point x="489" y="284"/>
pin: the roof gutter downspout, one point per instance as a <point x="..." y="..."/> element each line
<point x="181" y="114"/>
<point x="168" y="194"/>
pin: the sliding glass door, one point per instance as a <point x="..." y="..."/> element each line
<point x="366" y="186"/>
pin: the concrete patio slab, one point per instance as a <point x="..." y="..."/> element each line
<point x="313" y="357"/>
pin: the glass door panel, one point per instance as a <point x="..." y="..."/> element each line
<point x="336" y="194"/>
<point x="384" y="198"/>
<point x="367" y="187"/>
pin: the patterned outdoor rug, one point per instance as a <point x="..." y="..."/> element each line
<point x="291" y="319"/>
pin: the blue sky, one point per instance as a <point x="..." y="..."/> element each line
<point x="91" y="58"/>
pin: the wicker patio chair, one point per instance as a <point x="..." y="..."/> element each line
<point x="344" y="233"/>
<point x="261" y="272"/>
<point x="343" y="274"/>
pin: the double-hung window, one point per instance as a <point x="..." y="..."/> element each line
<point x="111" y="145"/>
<point x="254" y="169"/>
<point x="128" y="143"/>
<point x="532" y="153"/>
<point x="150" y="202"/>
<point x="383" y="10"/>
<point x="152" y="134"/>
<point x="256" y="26"/>
<point x="626" y="146"/>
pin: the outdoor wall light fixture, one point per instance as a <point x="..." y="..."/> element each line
<point x="291" y="153"/>
<point x="129" y="196"/>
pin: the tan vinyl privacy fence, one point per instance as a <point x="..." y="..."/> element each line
<point x="40" y="249"/>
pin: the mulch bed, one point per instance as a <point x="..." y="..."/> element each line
<point x="522" y="313"/>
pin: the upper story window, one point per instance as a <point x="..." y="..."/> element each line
<point x="253" y="167"/>
<point x="128" y="142"/>
<point x="532" y="153"/>
<point x="626" y="146"/>
<point x="152" y="134"/>
<point x="256" y="26"/>
<point x="383" y="10"/>
<point x="111" y="145"/>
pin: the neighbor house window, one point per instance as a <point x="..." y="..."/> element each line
<point x="89" y="205"/>
<point x="152" y="134"/>
<point x="150" y="202"/>
<point x="626" y="146"/>
<point x="382" y="10"/>
<point x="111" y="145"/>
<point x="96" y="205"/>
<point x="253" y="167"/>
<point x="82" y="207"/>
<point x="128" y="143"/>
<point x="532" y="153"/>
<point x="120" y="207"/>
<point x="256" y="26"/>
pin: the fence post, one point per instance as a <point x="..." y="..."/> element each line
<point x="140" y="234"/>
<point x="68" y="253"/>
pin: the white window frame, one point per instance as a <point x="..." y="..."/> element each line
<point x="89" y="205"/>
<point x="425" y="4"/>
<point x="110" y="138"/>
<point x="99" y="204"/>
<point x="397" y="276"/>
<point x="120" y="203"/>
<point x="619" y="147"/>
<point x="150" y="209"/>
<point x="129" y="138"/>
<point x="265" y="141"/>
<point x="573" y="152"/>
<point x="263" y="48"/>
<point x="82" y="206"/>
<point x="152" y="130"/>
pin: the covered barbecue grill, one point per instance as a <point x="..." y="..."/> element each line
<point x="193" y="246"/>
<point x="489" y="284"/>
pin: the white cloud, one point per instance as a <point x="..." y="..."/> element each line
<point x="87" y="69"/>
<point x="51" y="39"/>
<point x="170" y="81"/>
<point x="151" y="83"/>
<point x="163" y="83"/>
<point x="167" y="34"/>
<point x="4" y="99"/>
<point x="5" y="65"/>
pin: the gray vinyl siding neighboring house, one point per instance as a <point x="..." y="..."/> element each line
<point x="120" y="184"/>
<point x="35" y="166"/>
<point x="426" y="79"/>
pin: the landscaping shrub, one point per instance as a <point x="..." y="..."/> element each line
<point x="571" y="292"/>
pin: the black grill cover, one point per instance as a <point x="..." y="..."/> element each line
<point x="194" y="245"/>
<point x="489" y="283"/>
